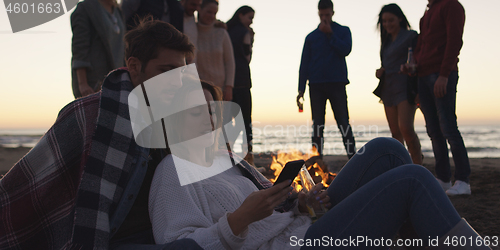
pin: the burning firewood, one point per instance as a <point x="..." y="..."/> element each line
<point x="315" y="165"/>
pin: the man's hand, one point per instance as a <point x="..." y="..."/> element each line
<point x="257" y="206"/>
<point x="440" y="86"/>
<point x="405" y="69"/>
<point x="220" y="24"/>
<point x="314" y="198"/>
<point x="379" y="72"/>
<point x="251" y="32"/>
<point x="85" y="89"/>
<point x="83" y="86"/>
<point x="228" y="93"/>
<point x="301" y="95"/>
<point x="324" y="27"/>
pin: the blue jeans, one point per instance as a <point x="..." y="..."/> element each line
<point x="378" y="191"/>
<point x="144" y="240"/>
<point x="441" y="124"/>
<point x="336" y="93"/>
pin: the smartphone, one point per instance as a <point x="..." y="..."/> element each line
<point x="290" y="171"/>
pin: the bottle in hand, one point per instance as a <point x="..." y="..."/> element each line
<point x="300" y="103"/>
<point x="411" y="63"/>
<point x="307" y="184"/>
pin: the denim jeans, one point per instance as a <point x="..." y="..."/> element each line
<point x="144" y="240"/>
<point x="378" y="191"/>
<point x="441" y="124"/>
<point x="336" y="93"/>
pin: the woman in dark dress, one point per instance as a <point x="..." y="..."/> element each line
<point x="241" y="35"/>
<point x="396" y="38"/>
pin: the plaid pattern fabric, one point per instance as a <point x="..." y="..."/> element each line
<point x="60" y="195"/>
<point x="107" y="169"/>
<point x="37" y="195"/>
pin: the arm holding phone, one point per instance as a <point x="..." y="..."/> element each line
<point x="261" y="204"/>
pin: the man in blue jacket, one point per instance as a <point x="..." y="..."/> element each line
<point x="323" y="65"/>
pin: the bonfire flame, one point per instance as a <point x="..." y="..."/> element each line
<point x="317" y="169"/>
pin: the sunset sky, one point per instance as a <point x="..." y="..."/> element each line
<point x="35" y="73"/>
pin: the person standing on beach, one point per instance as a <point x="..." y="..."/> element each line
<point x="241" y="35"/>
<point x="85" y="185"/>
<point x="214" y="51"/>
<point x="97" y="44"/>
<point x="398" y="99"/>
<point x="438" y="47"/>
<point x="323" y="65"/>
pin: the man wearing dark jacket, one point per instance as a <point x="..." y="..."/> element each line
<point x="323" y="65"/>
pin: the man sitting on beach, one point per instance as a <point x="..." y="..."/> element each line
<point x="85" y="185"/>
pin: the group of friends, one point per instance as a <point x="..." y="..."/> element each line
<point x="429" y="81"/>
<point x="88" y="184"/>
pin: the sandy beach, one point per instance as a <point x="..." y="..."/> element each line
<point x="481" y="209"/>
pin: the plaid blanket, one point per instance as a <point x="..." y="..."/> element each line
<point x="60" y="195"/>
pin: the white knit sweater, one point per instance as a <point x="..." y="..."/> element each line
<point x="214" y="56"/>
<point x="199" y="211"/>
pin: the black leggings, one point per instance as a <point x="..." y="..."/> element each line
<point x="243" y="97"/>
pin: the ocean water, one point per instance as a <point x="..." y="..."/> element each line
<point x="13" y="138"/>
<point x="481" y="141"/>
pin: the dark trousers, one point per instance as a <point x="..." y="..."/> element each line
<point x="243" y="97"/>
<point x="441" y="124"/>
<point x="336" y="94"/>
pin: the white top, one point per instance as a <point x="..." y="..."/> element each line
<point x="214" y="56"/>
<point x="199" y="211"/>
